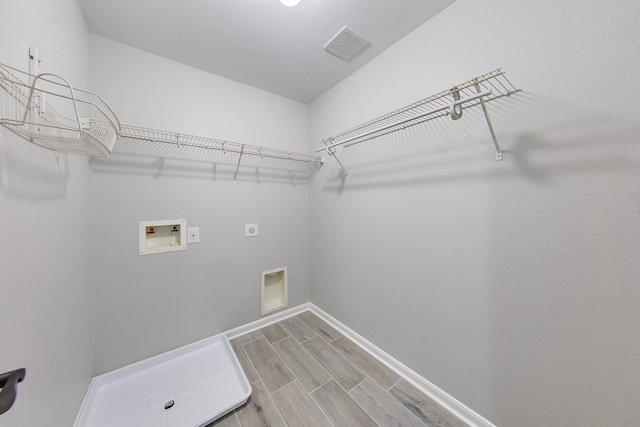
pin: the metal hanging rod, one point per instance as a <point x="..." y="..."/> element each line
<point x="477" y="91"/>
<point x="181" y="139"/>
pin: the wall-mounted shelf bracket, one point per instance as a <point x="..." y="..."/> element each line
<point x="486" y="115"/>
<point x="34" y="70"/>
<point x="332" y="152"/>
<point x="34" y="61"/>
<point x="235" y="175"/>
<point x="9" y="388"/>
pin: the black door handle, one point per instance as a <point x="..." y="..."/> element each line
<point x="9" y="386"/>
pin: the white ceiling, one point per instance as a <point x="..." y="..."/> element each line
<point x="261" y="43"/>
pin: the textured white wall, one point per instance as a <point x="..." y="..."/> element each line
<point x="149" y="304"/>
<point x="45" y="226"/>
<point x="511" y="285"/>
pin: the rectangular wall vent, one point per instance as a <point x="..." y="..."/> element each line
<point x="345" y="44"/>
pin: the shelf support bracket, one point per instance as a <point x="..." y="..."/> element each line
<point x="493" y="133"/>
<point x="34" y="70"/>
<point x="332" y="152"/>
<point x="235" y="175"/>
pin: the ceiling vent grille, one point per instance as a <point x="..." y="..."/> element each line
<point x="345" y="44"/>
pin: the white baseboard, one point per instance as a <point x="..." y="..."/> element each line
<point x="453" y="405"/>
<point x="267" y="320"/>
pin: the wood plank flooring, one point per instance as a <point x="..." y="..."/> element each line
<point x="305" y="373"/>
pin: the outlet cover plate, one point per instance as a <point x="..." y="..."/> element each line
<point x="193" y="235"/>
<point x="250" y="230"/>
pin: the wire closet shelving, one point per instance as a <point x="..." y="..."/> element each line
<point x="477" y="91"/>
<point x="91" y="128"/>
<point x="180" y="139"/>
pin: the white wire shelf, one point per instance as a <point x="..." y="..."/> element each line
<point x="30" y="106"/>
<point x="477" y="91"/>
<point x="181" y="139"/>
<point x="91" y="127"/>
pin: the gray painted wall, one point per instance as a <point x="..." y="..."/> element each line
<point x="45" y="241"/>
<point x="146" y="305"/>
<point x="511" y="285"/>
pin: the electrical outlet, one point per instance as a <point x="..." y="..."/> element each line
<point x="250" y="230"/>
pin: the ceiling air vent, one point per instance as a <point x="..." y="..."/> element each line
<point x="345" y="44"/>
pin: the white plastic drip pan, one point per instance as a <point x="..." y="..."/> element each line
<point x="197" y="384"/>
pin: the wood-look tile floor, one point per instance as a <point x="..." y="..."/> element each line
<point x="305" y="373"/>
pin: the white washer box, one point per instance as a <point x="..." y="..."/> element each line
<point x="162" y="236"/>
